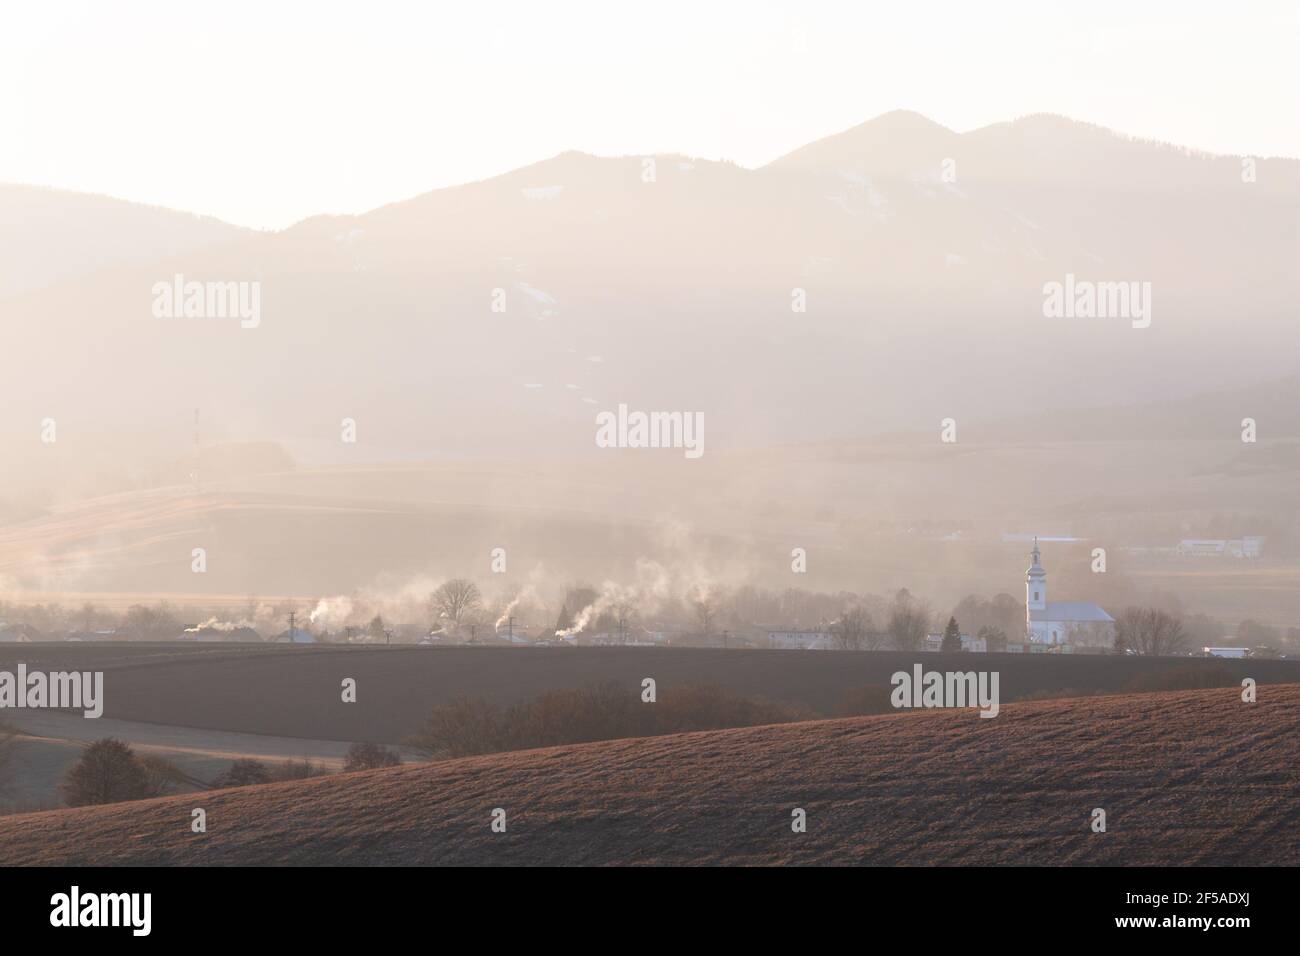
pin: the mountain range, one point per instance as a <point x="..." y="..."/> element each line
<point x="667" y="283"/>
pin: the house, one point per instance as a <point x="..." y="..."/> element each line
<point x="1028" y="647"/>
<point x="226" y="634"/>
<point x="18" y="634"/>
<point x="294" y="635"/>
<point x="1232" y="652"/>
<point x="92" y="637"/>
<point x="1251" y="546"/>
<point x="517" y="636"/>
<point x="801" y="640"/>
<point x="1074" y="623"/>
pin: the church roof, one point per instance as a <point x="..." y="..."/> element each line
<point x="1070" y="611"/>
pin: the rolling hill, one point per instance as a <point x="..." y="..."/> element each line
<point x="1185" y="778"/>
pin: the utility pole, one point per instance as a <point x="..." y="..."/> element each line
<point x="725" y="635"/>
<point x="291" y="620"/>
<point x="510" y="628"/>
<point x="194" y="475"/>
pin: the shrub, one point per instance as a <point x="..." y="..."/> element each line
<point x="370" y="757"/>
<point x="604" y="712"/>
<point x="864" y="701"/>
<point x="161" y="776"/>
<point x="1183" y="678"/>
<point x="462" y="727"/>
<point x="242" y="773"/>
<point x="711" y="707"/>
<point x="297" y="770"/>
<point x="107" y="772"/>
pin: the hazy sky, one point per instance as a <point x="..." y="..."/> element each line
<point x="263" y="113"/>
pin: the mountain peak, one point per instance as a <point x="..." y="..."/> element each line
<point x="896" y="136"/>
<point x="905" y="119"/>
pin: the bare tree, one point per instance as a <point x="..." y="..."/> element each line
<point x="363" y="756"/>
<point x="241" y="773"/>
<point x="455" y="600"/>
<point x="909" y="621"/>
<point x="1150" y="631"/>
<point x="107" y="772"/>
<point x="874" y="639"/>
<point x="851" y="630"/>
<point x="161" y="776"/>
<point x="151" y="623"/>
<point x="705" y="602"/>
<point x="995" y="639"/>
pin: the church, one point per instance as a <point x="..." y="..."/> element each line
<point x="1079" y="624"/>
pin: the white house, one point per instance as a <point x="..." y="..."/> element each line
<point x="801" y="640"/>
<point x="1077" y="623"/>
<point x="1251" y="546"/>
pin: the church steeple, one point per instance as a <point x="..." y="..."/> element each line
<point x="1035" y="582"/>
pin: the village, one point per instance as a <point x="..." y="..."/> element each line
<point x="701" y="618"/>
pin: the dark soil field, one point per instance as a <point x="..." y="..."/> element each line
<point x="295" y="691"/>
<point x="1187" y="777"/>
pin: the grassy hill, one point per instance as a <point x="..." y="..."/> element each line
<point x="1193" y="777"/>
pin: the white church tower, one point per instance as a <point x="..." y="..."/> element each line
<point x="1035" y="589"/>
<point x="1078" y="624"/>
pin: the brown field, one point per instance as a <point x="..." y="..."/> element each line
<point x="294" y="691"/>
<point x="1190" y="777"/>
